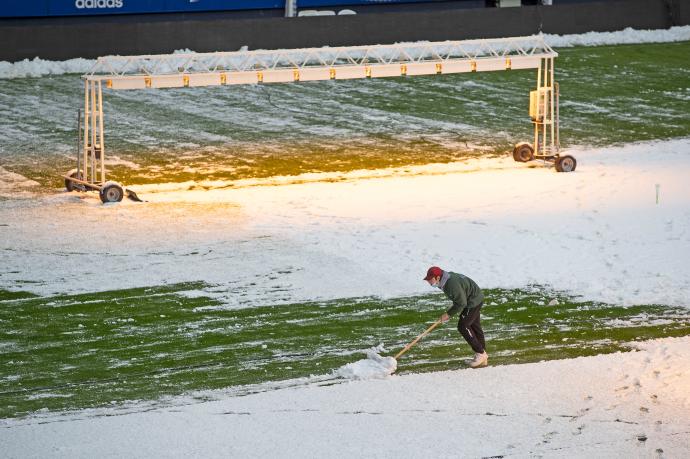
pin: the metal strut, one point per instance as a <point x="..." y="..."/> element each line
<point x="310" y="64"/>
<point x="544" y="112"/>
<point x="92" y="165"/>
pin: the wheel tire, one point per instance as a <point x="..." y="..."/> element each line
<point x="111" y="192"/>
<point x="523" y="152"/>
<point x="565" y="163"/>
<point x="70" y="185"/>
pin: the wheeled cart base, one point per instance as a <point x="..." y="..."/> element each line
<point x="108" y="191"/>
<point x="524" y="152"/>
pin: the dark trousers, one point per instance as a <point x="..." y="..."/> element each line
<point x="470" y="328"/>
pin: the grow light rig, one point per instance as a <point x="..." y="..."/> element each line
<point x="314" y="64"/>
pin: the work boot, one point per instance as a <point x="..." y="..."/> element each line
<point x="480" y="360"/>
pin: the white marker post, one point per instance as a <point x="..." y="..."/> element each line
<point x="657" y="192"/>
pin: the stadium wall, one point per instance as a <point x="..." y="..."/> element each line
<point x="89" y="37"/>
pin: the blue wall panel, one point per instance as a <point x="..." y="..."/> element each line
<point x="42" y="8"/>
<point x="17" y="8"/>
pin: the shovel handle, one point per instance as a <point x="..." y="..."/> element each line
<point x="414" y="341"/>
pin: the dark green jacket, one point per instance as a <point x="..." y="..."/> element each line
<point x="463" y="292"/>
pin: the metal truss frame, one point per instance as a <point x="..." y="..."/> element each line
<point x="180" y="70"/>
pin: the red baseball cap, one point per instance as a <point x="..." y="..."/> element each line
<point x="434" y="271"/>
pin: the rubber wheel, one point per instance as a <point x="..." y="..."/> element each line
<point x="565" y="163"/>
<point x="523" y="152"/>
<point x="111" y="193"/>
<point x="70" y="185"/>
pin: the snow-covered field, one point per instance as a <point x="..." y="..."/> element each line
<point x="616" y="230"/>
<point x="619" y="405"/>
<point x="598" y="232"/>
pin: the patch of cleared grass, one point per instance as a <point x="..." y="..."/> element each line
<point x="96" y="349"/>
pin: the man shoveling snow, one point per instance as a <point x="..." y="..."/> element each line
<point x="467" y="299"/>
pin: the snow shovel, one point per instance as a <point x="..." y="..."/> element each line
<point x="387" y="365"/>
<point x="414" y="341"/>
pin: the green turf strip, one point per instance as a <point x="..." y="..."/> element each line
<point x="90" y="350"/>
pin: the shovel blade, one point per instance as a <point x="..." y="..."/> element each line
<point x="387" y="364"/>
